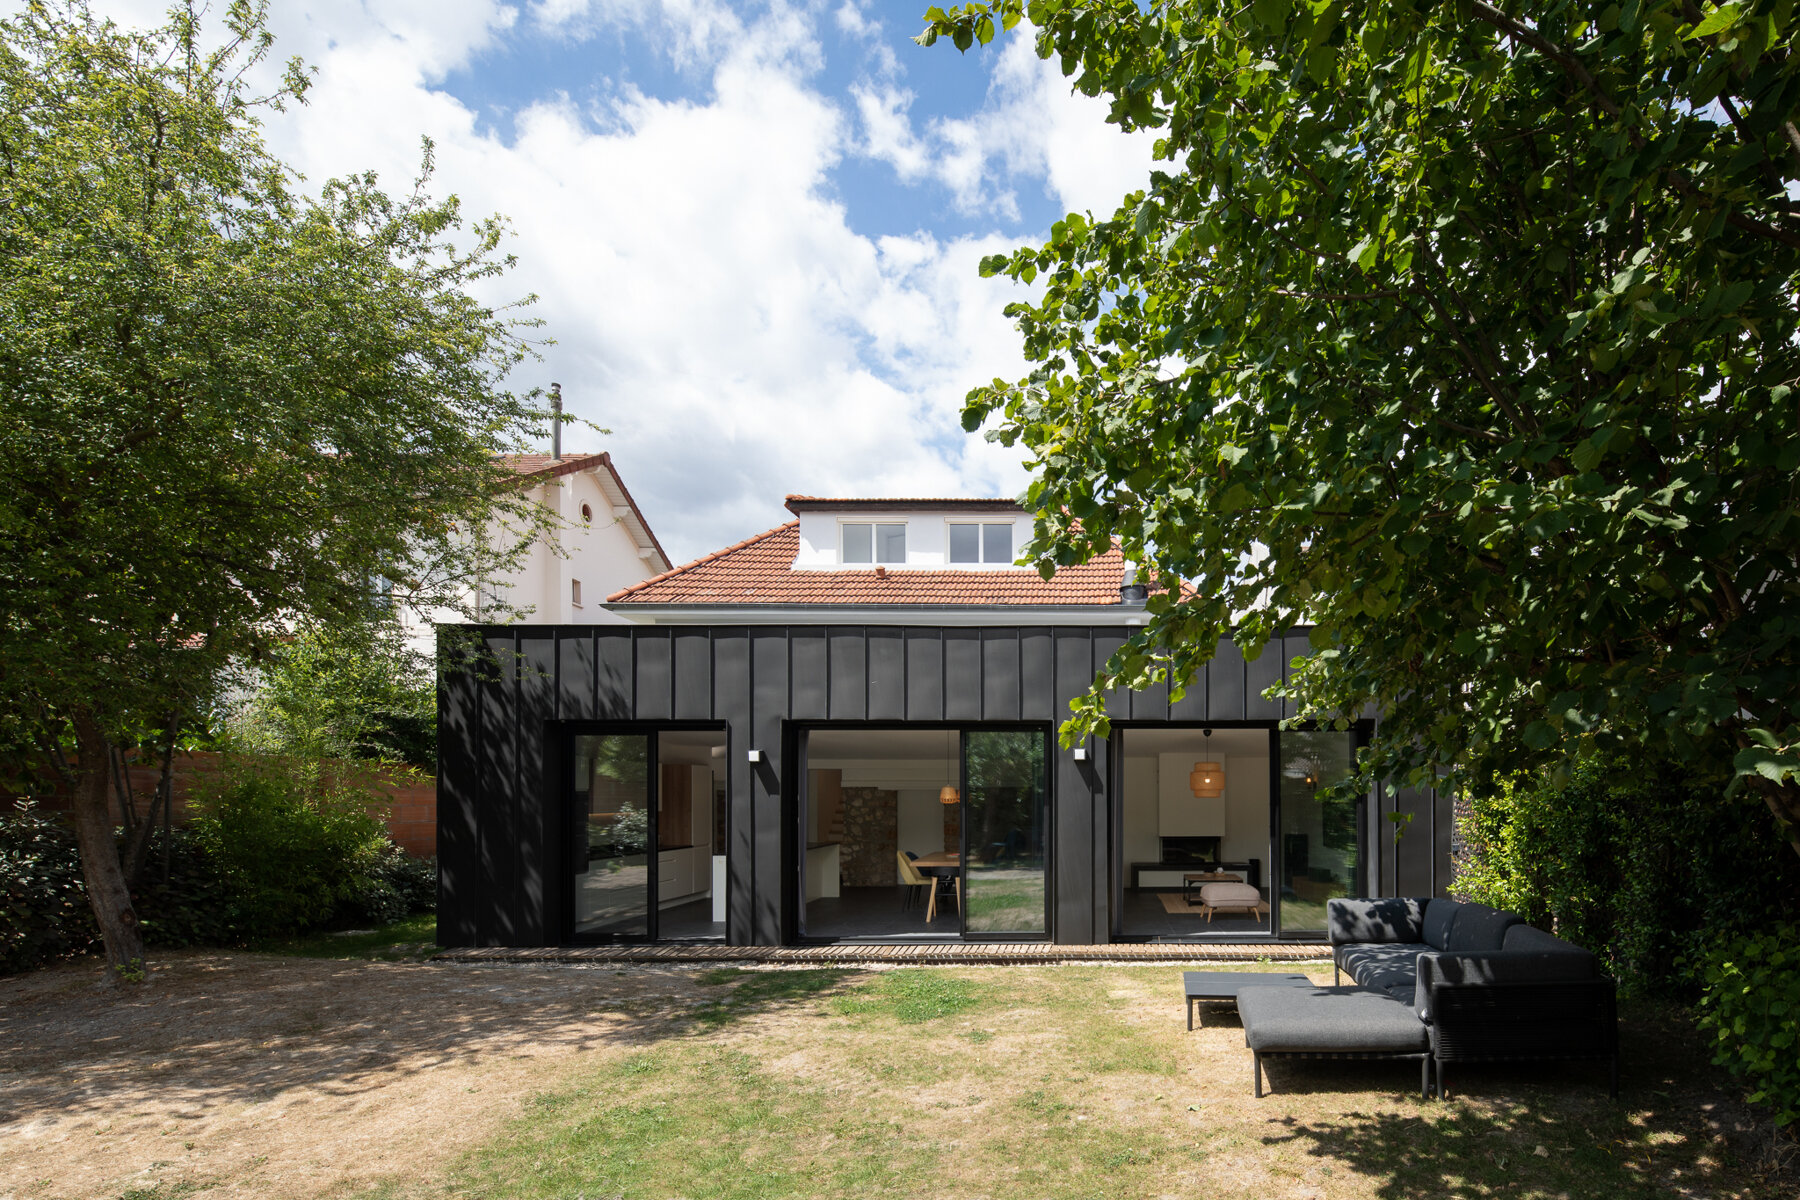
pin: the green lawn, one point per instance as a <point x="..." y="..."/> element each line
<point x="413" y="938"/>
<point x="1069" y="1082"/>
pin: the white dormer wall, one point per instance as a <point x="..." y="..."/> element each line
<point x="927" y="539"/>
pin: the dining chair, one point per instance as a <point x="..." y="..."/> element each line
<point x="912" y="877"/>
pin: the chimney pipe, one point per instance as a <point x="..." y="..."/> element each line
<point x="556" y="421"/>
<point x="1132" y="593"/>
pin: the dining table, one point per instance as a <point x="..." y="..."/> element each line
<point x="942" y="865"/>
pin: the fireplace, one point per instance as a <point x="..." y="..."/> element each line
<point x="1194" y="850"/>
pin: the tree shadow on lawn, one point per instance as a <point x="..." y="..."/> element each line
<point x="213" y="1028"/>
<point x="1550" y="1130"/>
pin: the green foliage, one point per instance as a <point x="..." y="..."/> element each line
<point x="348" y="690"/>
<point x="1637" y="859"/>
<point x="44" y="912"/>
<point x="1481" y="329"/>
<point x="1752" y="1007"/>
<point x="292" y="849"/>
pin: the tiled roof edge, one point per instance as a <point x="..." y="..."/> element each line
<point x="702" y="560"/>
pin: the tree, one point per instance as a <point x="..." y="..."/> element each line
<point x="351" y="690"/>
<point x="1465" y="334"/>
<point x="229" y="405"/>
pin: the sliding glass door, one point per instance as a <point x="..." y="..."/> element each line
<point x="614" y="830"/>
<point x="1005" y="832"/>
<point x="1319" y="836"/>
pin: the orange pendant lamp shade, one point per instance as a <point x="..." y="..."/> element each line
<point x="948" y="795"/>
<point x="1207" y="780"/>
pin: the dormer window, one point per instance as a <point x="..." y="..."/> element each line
<point x="984" y="543"/>
<point x="878" y="542"/>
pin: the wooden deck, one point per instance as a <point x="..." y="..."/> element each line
<point x="940" y="953"/>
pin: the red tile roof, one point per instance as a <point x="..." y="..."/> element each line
<point x="759" y="570"/>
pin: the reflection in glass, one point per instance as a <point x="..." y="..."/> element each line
<point x="612" y="848"/>
<point x="1004" y="823"/>
<point x="1318" y="835"/>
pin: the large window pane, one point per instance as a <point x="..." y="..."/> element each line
<point x="612" y="848"/>
<point x="890" y="543"/>
<point x="1319" y="852"/>
<point x="996" y="543"/>
<point x="1005" y="826"/>
<point x="965" y="543"/>
<point x="858" y="543"/>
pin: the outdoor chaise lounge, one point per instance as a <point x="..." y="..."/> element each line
<point x="1443" y="981"/>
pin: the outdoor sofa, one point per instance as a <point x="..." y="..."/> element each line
<point x="1440" y="981"/>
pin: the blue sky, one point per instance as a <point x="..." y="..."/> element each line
<point x="753" y="228"/>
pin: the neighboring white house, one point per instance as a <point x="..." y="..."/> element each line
<point x="601" y="544"/>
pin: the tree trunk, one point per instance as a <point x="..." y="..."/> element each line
<point x="107" y="891"/>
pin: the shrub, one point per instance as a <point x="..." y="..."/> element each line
<point x="44" y="913"/>
<point x="397" y="886"/>
<point x="1641" y="862"/>
<point x="292" y="847"/>
<point x="1752" y="1007"/>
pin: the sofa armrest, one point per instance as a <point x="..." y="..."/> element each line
<point x="1387" y="919"/>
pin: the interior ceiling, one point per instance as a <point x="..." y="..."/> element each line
<point x="1240" y="743"/>
<point x="925" y="745"/>
<point x="691" y="746"/>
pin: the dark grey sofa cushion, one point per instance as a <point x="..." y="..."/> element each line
<point x="1382" y="964"/>
<point x="1479" y="928"/>
<point x="1498" y="967"/>
<point x="1390" y="919"/>
<point x="1440" y="915"/>
<point x="1299" y="1020"/>
<point x="1530" y="940"/>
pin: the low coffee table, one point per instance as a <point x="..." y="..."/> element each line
<point x="1224" y="985"/>
<point x="1193" y="881"/>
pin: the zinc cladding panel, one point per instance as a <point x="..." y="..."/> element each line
<point x="1072" y="804"/>
<point x="576" y="698"/>
<point x="614" y="656"/>
<point x="1037" y="675"/>
<point x="1292" y="646"/>
<point x="537" y="844"/>
<point x="1193" y="703"/>
<point x="924" y="675"/>
<point x="999" y="674"/>
<point x="808" y="650"/>
<point x="461" y="889"/>
<point x="1225" y="684"/>
<point x="962" y="674"/>
<point x="1262" y="672"/>
<point x="887" y="674"/>
<point x="775" y="861"/>
<point x="693" y="674"/>
<point x="496" y="918"/>
<point x="849" y="675"/>
<point x="1413" y="851"/>
<point x="1443" y="863"/>
<point x="731" y="704"/>
<point x="655" y="675"/>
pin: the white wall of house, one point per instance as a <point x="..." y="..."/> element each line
<point x="927" y="539"/>
<point x="600" y="553"/>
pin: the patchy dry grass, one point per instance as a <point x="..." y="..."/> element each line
<point x="257" y="1076"/>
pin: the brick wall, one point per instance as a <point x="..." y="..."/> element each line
<point x="411" y="812"/>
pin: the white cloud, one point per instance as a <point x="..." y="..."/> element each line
<point x="710" y="301"/>
<point x="1032" y="127"/>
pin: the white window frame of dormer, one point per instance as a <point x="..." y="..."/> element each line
<point x="575" y="593"/>
<point x="980" y="543"/>
<point x="875" y="558"/>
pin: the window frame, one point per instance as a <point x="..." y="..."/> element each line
<point x="981" y="547"/>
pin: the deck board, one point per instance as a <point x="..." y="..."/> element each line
<point x="947" y="954"/>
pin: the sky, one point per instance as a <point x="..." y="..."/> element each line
<point x="752" y="229"/>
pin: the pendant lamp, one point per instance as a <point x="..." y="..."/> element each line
<point x="948" y="795"/>
<point x="1207" y="779"/>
